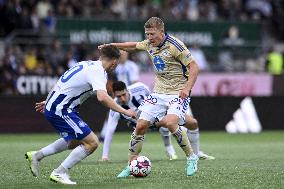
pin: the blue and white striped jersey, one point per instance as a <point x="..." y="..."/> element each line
<point x="75" y="86"/>
<point x="138" y="91"/>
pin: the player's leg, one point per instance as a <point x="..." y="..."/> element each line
<point x="135" y="144"/>
<point x="192" y="132"/>
<point x="166" y="136"/>
<point x="193" y="135"/>
<point x="175" y="113"/>
<point x="34" y="157"/>
<point x="83" y="148"/>
<point x="150" y="109"/>
<point x="109" y="131"/>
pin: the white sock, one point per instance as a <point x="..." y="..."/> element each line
<point x="108" y="138"/>
<point x="53" y="148"/>
<point x="78" y="154"/>
<point x="193" y="136"/>
<point x="166" y="136"/>
<point x="170" y="150"/>
<point x="192" y="156"/>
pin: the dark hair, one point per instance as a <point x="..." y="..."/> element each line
<point x="118" y="86"/>
<point x="110" y="51"/>
<point x="154" y="22"/>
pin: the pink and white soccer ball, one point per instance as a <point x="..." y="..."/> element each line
<point x="140" y="167"/>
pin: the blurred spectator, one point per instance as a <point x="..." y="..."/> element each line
<point x="8" y="71"/>
<point x="274" y="62"/>
<point x="233" y="37"/>
<point x="42" y="8"/>
<point x="35" y="20"/>
<point x="30" y="59"/>
<point x="50" y="21"/>
<point x="25" y="21"/>
<point x="119" y="8"/>
<point x="259" y="8"/>
<point x="55" y="56"/>
<point x="127" y="70"/>
<point x="199" y="57"/>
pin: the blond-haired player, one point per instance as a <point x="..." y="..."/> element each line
<point x="176" y="72"/>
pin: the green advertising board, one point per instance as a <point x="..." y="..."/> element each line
<point x="210" y="35"/>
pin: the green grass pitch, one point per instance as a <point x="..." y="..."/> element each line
<point x="242" y="161"/>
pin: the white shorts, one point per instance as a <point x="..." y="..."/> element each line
<point x="156" y="106"/>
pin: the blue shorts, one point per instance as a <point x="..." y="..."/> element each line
<point x="70" y="126"/>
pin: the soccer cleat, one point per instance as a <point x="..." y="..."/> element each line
<point x="191" y="165"/>
<point x="33" y="163"/>
<point x="172" y="156"/>
<point x="124" y="173"/>
<point x="203" y="156"/>
<point x="62" y="178"/>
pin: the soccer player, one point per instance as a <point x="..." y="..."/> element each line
<point x="176" y="72"/>
<point x="131" y="97"/>
<point x="126" y="71"/>
<point x="71" y="90"/>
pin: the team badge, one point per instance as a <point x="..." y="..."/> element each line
<point x="159" y="63"/>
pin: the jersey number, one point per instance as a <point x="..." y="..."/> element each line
<point x="69" y="73"/>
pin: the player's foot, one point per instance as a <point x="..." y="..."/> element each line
<point x="33" y="163"/>
<point x="203" y="156"/>
<point x="62" y="178"/>
<point x="124" y="173"/>
<point x="191" y="165"/>
<point x="172" y="156"/>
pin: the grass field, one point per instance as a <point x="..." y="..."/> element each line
<point x="242" y="161"/>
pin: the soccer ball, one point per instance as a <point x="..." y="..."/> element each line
<point x="140" y="167"/>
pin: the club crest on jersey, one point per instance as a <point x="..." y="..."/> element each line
<point x="166" y="53"/>
<point x="159" y="63"/>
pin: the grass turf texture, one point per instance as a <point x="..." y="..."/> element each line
<point x="242" y="161"/>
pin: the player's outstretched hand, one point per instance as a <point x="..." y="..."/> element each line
<point x="131" y="113"/>
<point x="39" y="106"/>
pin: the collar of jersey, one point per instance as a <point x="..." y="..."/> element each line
<point x="161" y="44"/>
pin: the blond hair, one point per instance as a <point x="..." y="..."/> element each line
<point x="154" y="22"/>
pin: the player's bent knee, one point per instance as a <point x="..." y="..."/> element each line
<point x="73" y="144"/>
<point x="91" y="142"/>
<point x="141" y="127"/>
<point x="192" y="124"/>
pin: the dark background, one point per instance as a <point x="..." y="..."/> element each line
<point x="213" y="113"/>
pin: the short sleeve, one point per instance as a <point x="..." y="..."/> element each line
<point x="185" y="57"/>
<point x="182" y="53"/>
<point x="97" y="78"/>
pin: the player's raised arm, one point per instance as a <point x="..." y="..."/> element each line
<point x="109" y="102"/>
<point x="126" y="46"/>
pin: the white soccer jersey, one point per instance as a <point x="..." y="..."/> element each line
<point x="127" y="72"/>
<point x="138" y="91"/>
<point x="76" y="85"/>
